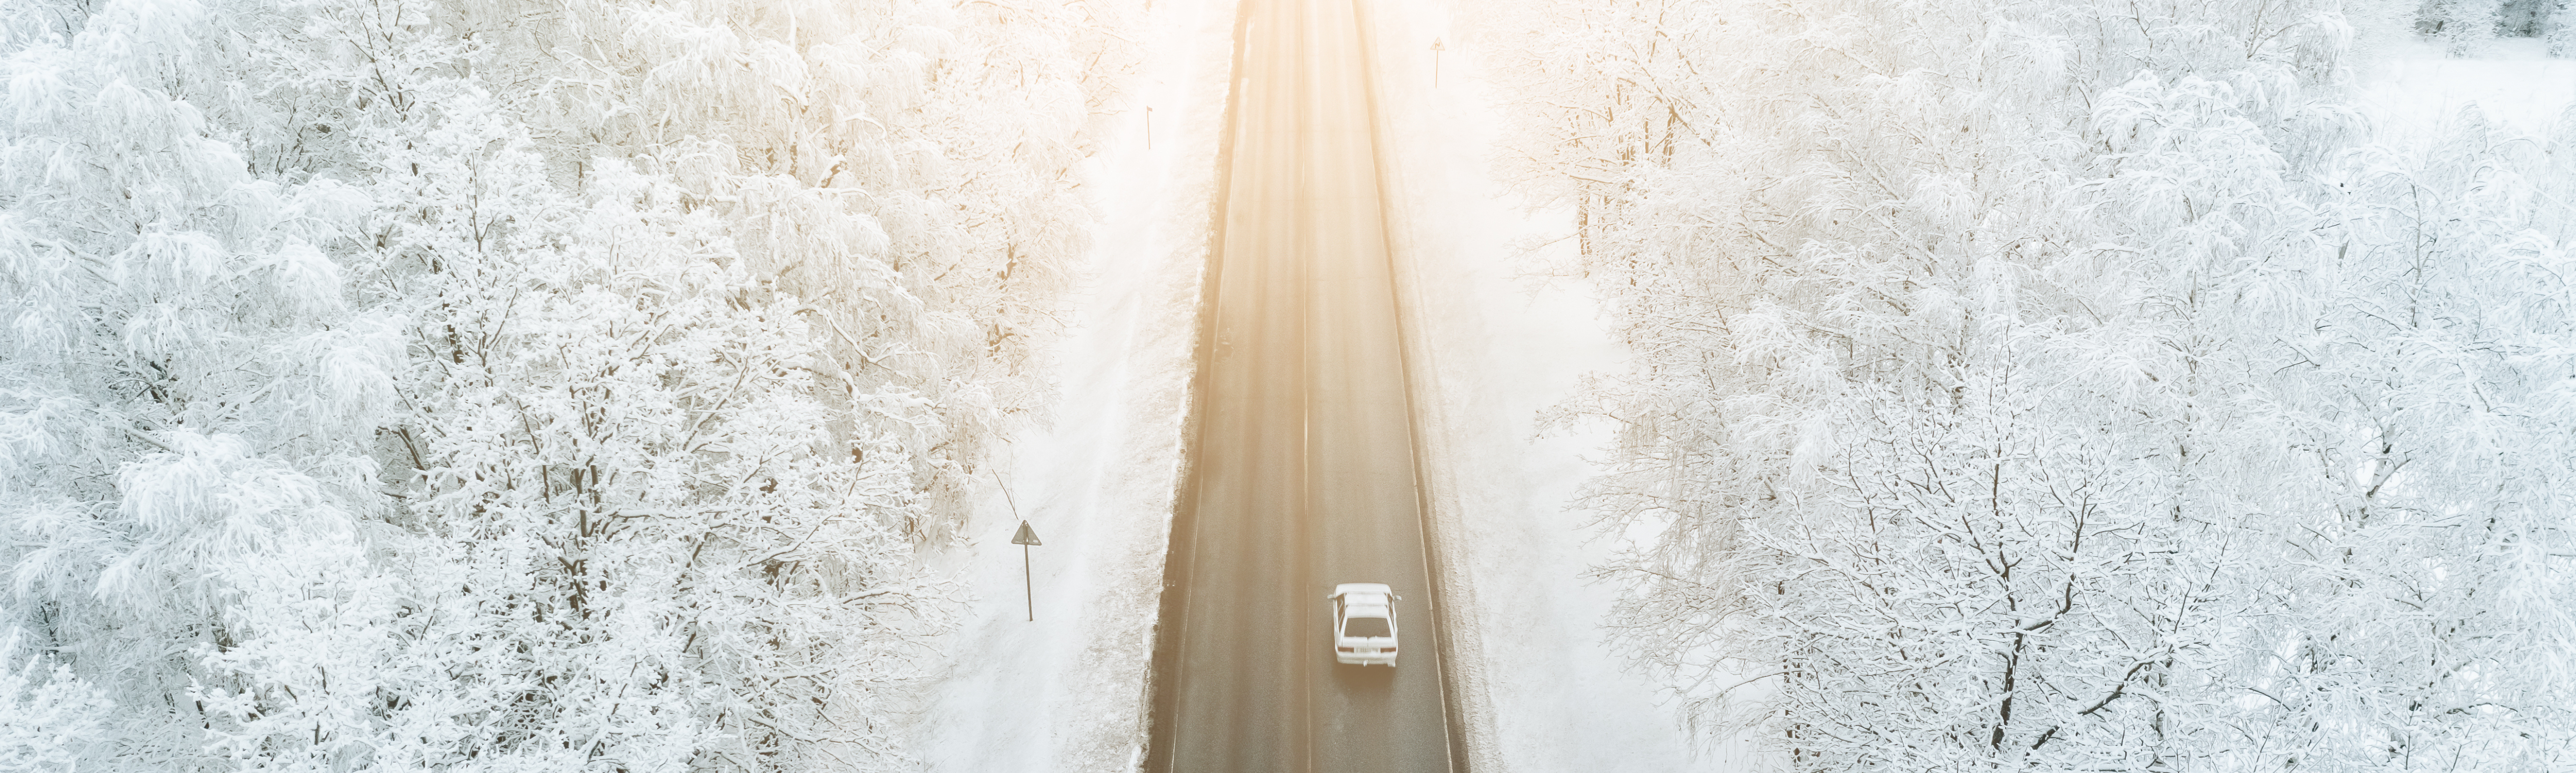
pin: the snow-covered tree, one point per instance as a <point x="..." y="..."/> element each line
<point x="1965" y="413"/>
<point x="2463" y="27"/>
<point x="506" y="385"/>
<point x="787" y="285"/>
<point x="905" y="166"/>
<point x="54" y="716"/>
<point x="2421" y="616"/>
<point x="2557" y="27"/>
<point x="188" y="390"/>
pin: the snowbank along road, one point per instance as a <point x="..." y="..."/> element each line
<point x="1304" y="468"/>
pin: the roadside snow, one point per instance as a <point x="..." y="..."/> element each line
<point x="1067" y="691"/>
<point x="1488" y="350"/>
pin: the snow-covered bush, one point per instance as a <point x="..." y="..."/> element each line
<point x="1968" y="416"/>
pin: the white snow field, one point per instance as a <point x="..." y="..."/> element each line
<point x="1067" y="692"/>
<point x="2413" y="88"/>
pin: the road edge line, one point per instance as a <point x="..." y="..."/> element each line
<point x="1172" y="606"/>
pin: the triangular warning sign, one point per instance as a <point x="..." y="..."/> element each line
<point x="1027" y="536"/>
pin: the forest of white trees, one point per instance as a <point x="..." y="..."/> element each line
<point x="505" y="385"/>
<point x="2069" y="384"/>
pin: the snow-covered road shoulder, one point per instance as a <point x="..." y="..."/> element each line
<point x="1535" y="688"/>
<point x="1067" y="691"/>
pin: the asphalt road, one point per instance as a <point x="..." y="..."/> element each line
<point x="1304" y="467"/>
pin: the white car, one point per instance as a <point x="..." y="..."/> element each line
<point x="1363" y="623"/>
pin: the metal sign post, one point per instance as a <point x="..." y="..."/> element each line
<point x="1027" y="536"/>
<point x="1436" y="48"/>
<point x="1024" y="539"/>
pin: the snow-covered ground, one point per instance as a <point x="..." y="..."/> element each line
<point x="2412" y="88"/>
<point x="1489" y="349"/>
<point x="1067" y="692"/>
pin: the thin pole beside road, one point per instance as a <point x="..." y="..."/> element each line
<point x="1024" y="539"/>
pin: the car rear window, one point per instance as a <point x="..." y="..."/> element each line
<point x="1366" y="627"/>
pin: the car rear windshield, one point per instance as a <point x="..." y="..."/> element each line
<point x="1366" y="628"/>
